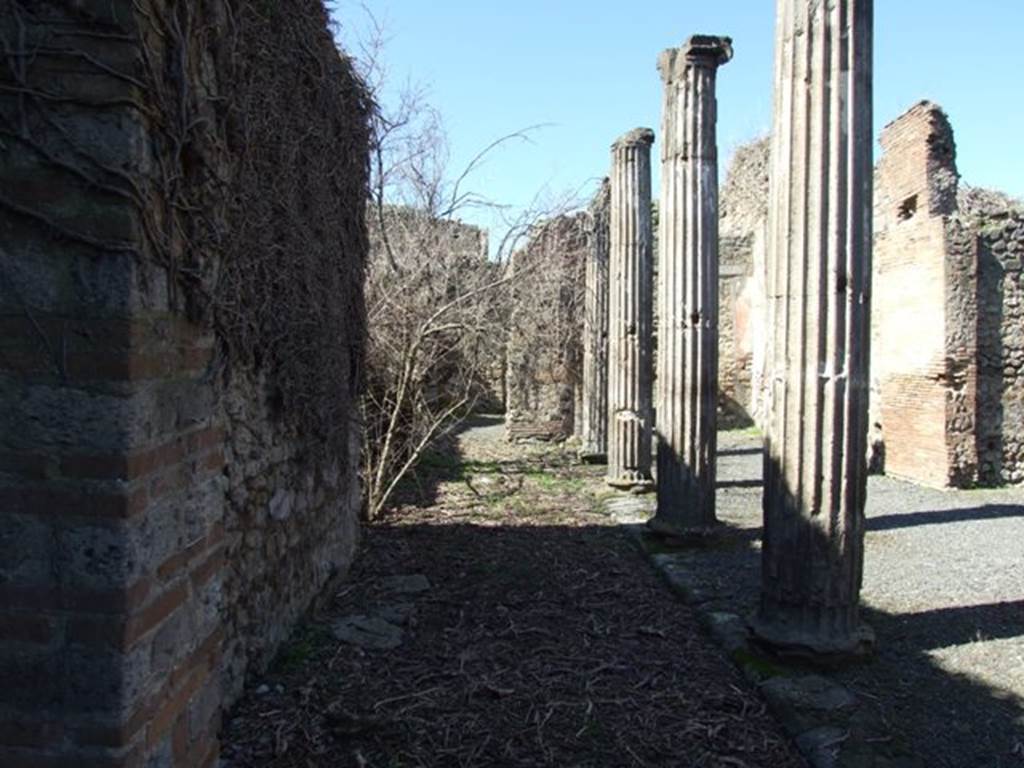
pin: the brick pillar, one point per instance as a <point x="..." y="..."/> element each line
<point x="819" y="278"/>
<point x="111" y="498"/>
<point x="630" y="313"/>
<point x="688" y="287"/>
<point x="595" y="334"/>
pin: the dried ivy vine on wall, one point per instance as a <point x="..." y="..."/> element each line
<point x="250" y="191"/>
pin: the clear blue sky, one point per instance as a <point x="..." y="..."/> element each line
<point x="587" y="68"/>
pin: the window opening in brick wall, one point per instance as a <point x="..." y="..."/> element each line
<point x="908" y="208"/>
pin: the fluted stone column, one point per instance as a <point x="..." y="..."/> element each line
<point x="819" y="273"/>
<point x="687" y="397"/>
<point x="630" y="313"/>
<point x="594" y="436"/>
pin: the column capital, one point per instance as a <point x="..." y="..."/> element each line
<point x="698" y="51"/>
<point x="635" y="138"/>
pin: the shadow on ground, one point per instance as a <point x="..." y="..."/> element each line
<point x="921" y="688"/>
<point x="545" y="639"/>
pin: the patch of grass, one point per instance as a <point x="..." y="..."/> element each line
<point x="749" y="431"/>
<point x="555" y="483"/>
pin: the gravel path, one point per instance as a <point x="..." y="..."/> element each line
<point x="944" y="592"/>
<point x="539" y="637"/>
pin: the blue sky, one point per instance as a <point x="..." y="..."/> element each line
<point x="587" y="71"/>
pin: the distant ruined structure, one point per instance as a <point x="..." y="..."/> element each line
<point x="544" y="364"/>
<point x="947" y="336"/>
<point x="945" y="351"/>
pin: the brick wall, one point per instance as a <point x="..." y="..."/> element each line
<point x="154" y="512"/>
<point x="111" y="456"/>
<point x="924" y="275"/>
<point x="947" y="346"/>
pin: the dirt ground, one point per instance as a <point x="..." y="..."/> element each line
<point x="524" y="629"/>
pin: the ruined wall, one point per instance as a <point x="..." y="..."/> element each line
<point x="166" y="512"/>
<point x="917" y="374"/>
<point x="946" y="340"/>
<point x="743" y="210"/>
<point x="1000" y="318"/>
<point x="544" y="350"/>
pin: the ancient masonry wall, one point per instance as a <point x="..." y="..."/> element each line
<point x="1000" y="317"/>
<point x="544" y="352"/>
<point x="946" y="339"/>
<point x="917" y="376"/>
<point x="160" y="524"/>
<point x="743" y="209"/>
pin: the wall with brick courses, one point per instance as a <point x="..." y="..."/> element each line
<point x="544" y="350"/>
<point x="918" y="376"/>
<point x="946" y="337"/>
<point x="152" y="512"/>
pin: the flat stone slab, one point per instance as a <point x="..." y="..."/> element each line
<point x="627" y="510"/>
<point x="809" y="692"/>
<point x="728" y="630"/>
<point x="371" y="632"/>
<point x="409" y="584"/>
<point x="821" y="745"/>
<point x="397" y="613"/>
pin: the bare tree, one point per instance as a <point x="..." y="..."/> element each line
<point x="438" y="299"/>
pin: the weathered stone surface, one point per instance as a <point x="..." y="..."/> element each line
<point x="630" y="313"/>
<point x="594" y="410"/>
<point x="821" y="745"/>
<point x="629" y="509"/>
<point x="160" y="528"/>
<point x="372" y="632"/>
<point x="687" y="392"/>
<point x="946" y="377"/>
<point x="743" y="213"/>
<point x="924" y="327"/>
<point x="819" y="289"/>
<point x="407" y="584"/>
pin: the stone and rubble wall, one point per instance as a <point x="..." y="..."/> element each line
<point x="1000" y="317"/>
<point x="163" y="519"/>
<point x="544" y="349"/>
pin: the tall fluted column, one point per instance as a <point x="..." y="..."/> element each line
<point x="595" y="333"/>
<point x="687" y="398"/>
<point x="630" y="313"/>
<point x="819" y="275"/>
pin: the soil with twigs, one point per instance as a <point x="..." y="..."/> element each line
<point x="544" y="638"/>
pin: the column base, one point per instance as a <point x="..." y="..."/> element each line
<point x="631" y="481"/>
<point x="592" y="455"/>
<point x="788" y="640"/>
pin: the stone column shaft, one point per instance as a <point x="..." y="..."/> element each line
<point x="687" y="398"/>
<point x="630" y="313"/>
<point x="818" y="282"/>
<point x="595" y="334"/>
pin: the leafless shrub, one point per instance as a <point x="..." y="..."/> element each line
<point x="438" y="297"/>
